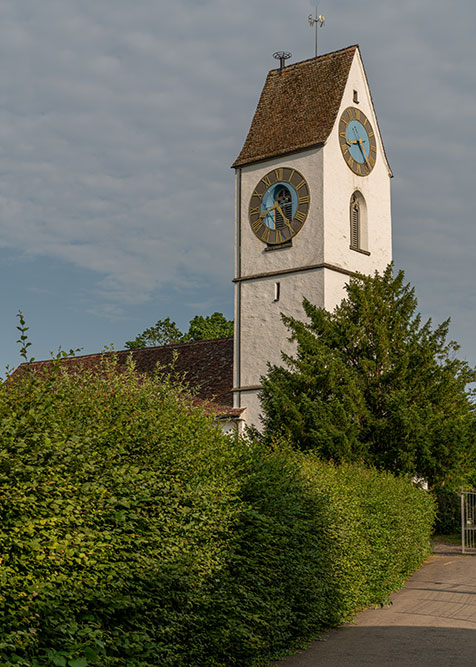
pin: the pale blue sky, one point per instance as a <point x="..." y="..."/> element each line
<point x="119" y="122"/>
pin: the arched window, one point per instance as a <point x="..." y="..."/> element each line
<point x="358" y="223"/>
<point x="354" y="222"/>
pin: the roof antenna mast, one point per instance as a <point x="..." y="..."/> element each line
<point x="282" y="56"/>
<point x="317" y="22"/>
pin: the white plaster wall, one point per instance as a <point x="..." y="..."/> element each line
<point x="307" y="245"/>
<point x="253" y="408"/>
<point x="339" y="182"/>
<point x="334" y="292"/>
<point x="263" y="336"/>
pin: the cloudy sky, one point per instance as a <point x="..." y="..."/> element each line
<point x="119" y="121"/>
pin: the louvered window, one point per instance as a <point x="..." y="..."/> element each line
<point x="354" y="222"/>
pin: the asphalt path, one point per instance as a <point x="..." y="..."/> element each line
<point x="430" y="622"/>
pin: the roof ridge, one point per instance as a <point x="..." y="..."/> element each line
<point x="127" y="350"/>
<point x="323" y="56"/>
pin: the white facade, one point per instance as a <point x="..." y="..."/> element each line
<point x="319" y="263"/>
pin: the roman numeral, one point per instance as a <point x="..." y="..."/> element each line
<point x="305" y="199"/>
<point x="300" y="216"/>
<point x="266" y="180"/>
<point x="279" y="174"/>
<point x="265" y="234"/>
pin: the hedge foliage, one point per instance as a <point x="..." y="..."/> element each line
<point x="132" y="532"/>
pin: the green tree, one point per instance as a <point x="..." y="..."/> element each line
<point x="211" y="326"/>
<point x="370" y="382"/>
<point x="166" y="332"/>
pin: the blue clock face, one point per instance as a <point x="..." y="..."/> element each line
<point x="357" y="141"/>
<point x="279" y="206"/>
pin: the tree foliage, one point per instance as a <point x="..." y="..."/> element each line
<point x="370" y="382"/>
<point x="166" y="332"/>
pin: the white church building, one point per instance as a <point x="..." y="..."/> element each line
<point x="312" y="206"/>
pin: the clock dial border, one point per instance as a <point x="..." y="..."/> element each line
<point x="289" y="177"/>
<point x="359" y="168"/>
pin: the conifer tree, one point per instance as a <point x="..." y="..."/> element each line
<point x="370" y="382"/>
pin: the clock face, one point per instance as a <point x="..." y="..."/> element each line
<point x="279" y="205"/>
<point x="357" y="141"/>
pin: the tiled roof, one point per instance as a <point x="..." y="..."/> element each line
<point x="207" y="365"/>
<point x="298" y="106"/>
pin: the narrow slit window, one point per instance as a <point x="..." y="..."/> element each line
<point x="277" y="291"/>
<point x="356" y="97"/>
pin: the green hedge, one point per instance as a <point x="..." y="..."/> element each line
<point x="132" y="532"/>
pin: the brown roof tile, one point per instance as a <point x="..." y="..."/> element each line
<point x="207" y="365"/>
<point x="298" y="106"/>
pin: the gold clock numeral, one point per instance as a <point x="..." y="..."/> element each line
<point x="279" y="236"/>
<point x="258" y="194"/>
<point x="301" y="184"/>
<point x="266" y="180"/>
<point x="357" y="114"/>
<point x="256" y="224"/>
<point x="305" y="199"/>
<point x="300" y="216"/>
<point x="279" y="174"/>
<point x="291" y="175"/>
<point x="255" y="211"/>
<point x="359" y="170"/>
<point x="265" y="234"/>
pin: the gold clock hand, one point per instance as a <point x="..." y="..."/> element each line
<point x="286" y="221"/>
<point x="361" y="144"/>
<point x="265" y="213"/>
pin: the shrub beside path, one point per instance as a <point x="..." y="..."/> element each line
<point x="430" y="622"/>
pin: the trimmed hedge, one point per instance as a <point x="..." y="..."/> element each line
<point x="132" y="532"/>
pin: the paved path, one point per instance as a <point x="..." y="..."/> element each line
<point x="431" y="622"/>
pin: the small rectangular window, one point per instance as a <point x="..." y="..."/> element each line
<point x="277" y="291"/>
<point x="356" y="97"/>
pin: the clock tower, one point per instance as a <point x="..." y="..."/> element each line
<point x="312" y="206"/>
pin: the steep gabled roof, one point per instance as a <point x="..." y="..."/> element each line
<point x="207" y="366"/>
<point x="298" y="106"/>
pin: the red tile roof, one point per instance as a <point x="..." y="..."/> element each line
<point x="298" y="106"/>
<point x="207" y="366"/>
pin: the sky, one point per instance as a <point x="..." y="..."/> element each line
<point x="119" y="121"/>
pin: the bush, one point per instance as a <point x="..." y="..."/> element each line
<point x="134" y="533"/>
<point x="448" y="515"/>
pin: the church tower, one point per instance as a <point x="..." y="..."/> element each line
<point x="312" y="206"/>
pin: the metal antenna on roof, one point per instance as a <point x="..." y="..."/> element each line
<point x="317" y="22"/>
<point x="282" y="56"/>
